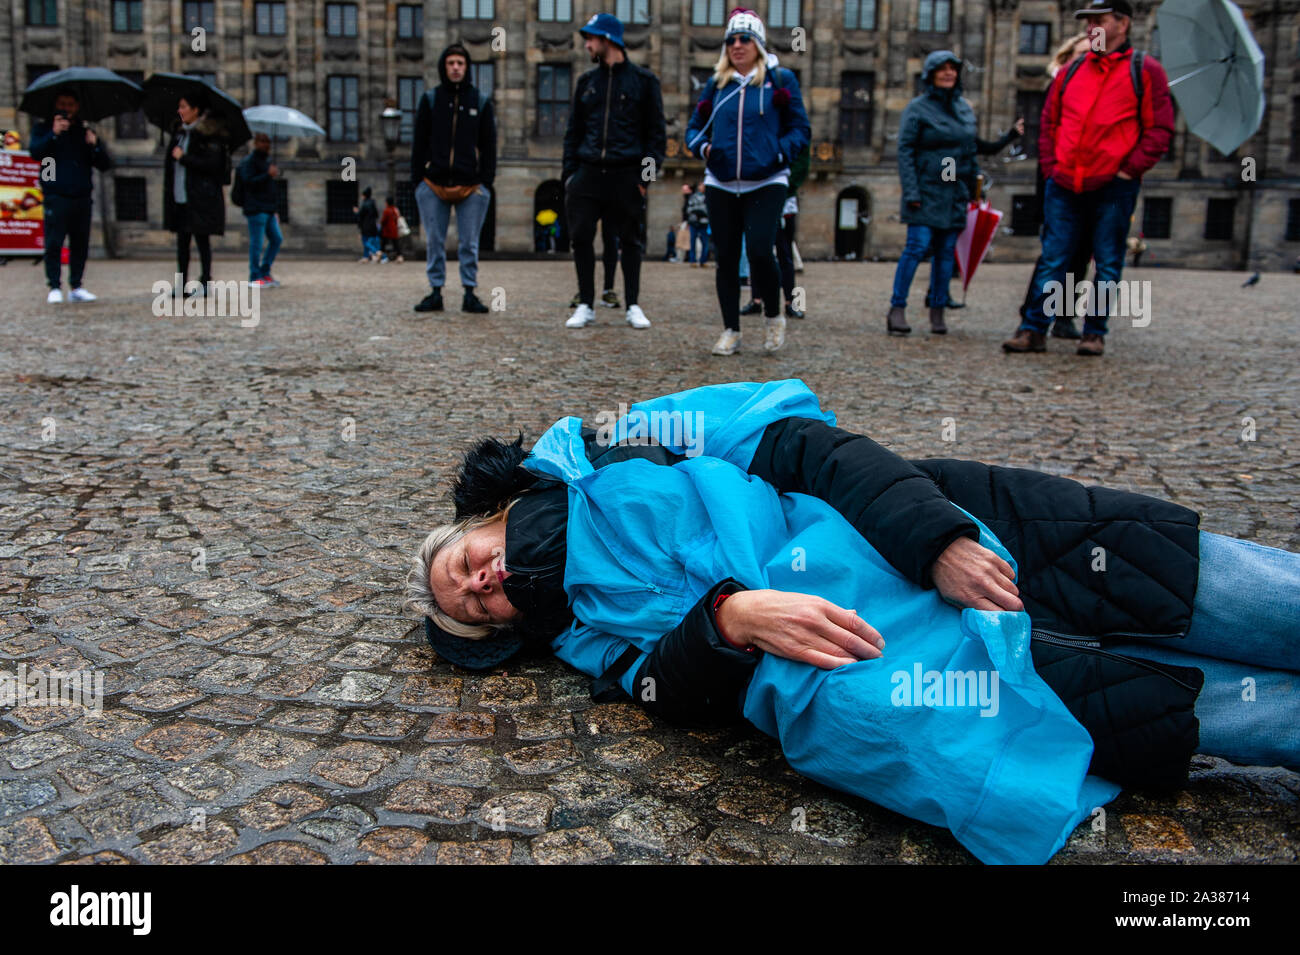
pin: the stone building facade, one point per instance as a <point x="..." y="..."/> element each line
<point x="858" y="63"/>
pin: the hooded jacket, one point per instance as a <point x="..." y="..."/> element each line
<point x="207" y="165"/>
<point x="455" y="137"/>
<point x="73" y="159"/>
<point x="937" y="146"/>
<point x="752" y="132"/>
<point x="1139" y="714"/>
<point x="259" y="184"/>
<point x="616" y="120"/>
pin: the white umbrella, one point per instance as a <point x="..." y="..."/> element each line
<point x="281" y="121"/>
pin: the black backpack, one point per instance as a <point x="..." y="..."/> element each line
<point x="237" y="190"/>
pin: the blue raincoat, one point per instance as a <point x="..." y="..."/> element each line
<point x="951" y="726"/>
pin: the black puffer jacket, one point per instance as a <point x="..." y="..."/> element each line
<point x="617" y="119"/>
<point x="1139" y="714"/>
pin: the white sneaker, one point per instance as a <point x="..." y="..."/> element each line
<point x="728" y="344"/>
<point x="55" y="296"/>
<point x="636" y="318"/>
<point x="581" y="317"/>
<point x="775" y="336"/>
<point x="81" y="295"/>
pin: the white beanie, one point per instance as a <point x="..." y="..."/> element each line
<point x="747" y="21"/>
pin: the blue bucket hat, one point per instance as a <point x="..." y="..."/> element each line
<point x="605" y="25"/>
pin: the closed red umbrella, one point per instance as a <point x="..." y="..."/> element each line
<point x="982" y="222"/>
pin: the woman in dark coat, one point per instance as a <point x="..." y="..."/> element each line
<point x="1140" y="624"/>
<point x="196" y="169"/>
<point x="937" y="146"/>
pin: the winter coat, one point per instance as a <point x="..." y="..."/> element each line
<point x="937" y="146"/>
<point x="455" y="137"/>
<point x="207" y="166"/>
<point x="388" y="222"/>
<point x="73" y="159"/>
<point x="1015" y="779"/>
<point x="616" y="121"/>
<point x="1093" y="131"/>
<point x="259" y="185"/>
<point x="368" y="218"/>
<point x="752" y="132"/>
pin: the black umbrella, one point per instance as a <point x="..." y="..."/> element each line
<point x="100" y="92"/>
<point x="162" y="91"/>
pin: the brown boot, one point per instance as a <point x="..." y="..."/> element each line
<point x="895" y="323"/>
<point x="1090" y="344"/>
<point x="1025" y="340"/>
<point x="937" y="327"/>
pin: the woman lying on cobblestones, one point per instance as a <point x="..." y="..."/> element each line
<point x="728" y="551"/>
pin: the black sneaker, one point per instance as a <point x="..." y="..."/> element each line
<point x="792" y="312"/>
<point x="431" y="302"/>
<point x="753" y="308"/>
<point x="609" y="299"/>
<point x="471" y="303"/>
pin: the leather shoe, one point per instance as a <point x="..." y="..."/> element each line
<point x="1091" y="345"/>
<point x="1025" y="340"/>
<point x="937" y="327"/>
<point x="896" y="322"/>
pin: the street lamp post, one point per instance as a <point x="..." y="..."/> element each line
<point x="390" y="121"/>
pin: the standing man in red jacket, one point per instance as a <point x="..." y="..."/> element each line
<point x="1107" y="120"/>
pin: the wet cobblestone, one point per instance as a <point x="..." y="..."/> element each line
<point x="218" y="520"/>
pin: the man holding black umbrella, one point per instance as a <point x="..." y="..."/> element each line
<point x="74" y="150"/>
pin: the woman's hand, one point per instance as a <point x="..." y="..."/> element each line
<point x="970" y="575"/>
<point x="177" y="152"/>
<point x="798" y="627"/>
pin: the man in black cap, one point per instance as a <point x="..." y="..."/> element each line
<point x="614" y="143"/>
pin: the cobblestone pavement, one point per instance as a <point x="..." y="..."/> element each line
<point x="218" y="518"/>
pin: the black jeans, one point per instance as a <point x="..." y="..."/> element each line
<point x="785" y="256"/>
<point x="611" y="196"/>
<point x="181" y="220"/>
<point x="609" y="255"/>
<point x="70" y="218"/>
<point x="756" y="215"/>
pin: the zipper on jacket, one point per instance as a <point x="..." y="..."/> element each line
<point x="740" y="129"/>
<point x="451" y="159"/>
<point x="604" y="134"/>
<point x="1084" y="645"/>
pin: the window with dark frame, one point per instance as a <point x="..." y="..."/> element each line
<point x="36" y="70"/>
<point x="476" y="9"/>
<point x="701" y="76"/>
<point x="128" y="16"/>
<point x="708" y="13"/>
<point x="554" y="91"/>
<point x="1029" y="104"/>
<point x="410" y="21"/>
<point x="1157" y="217"/>
<point x="203" y="76"/>
<point x="1219" y="215"/>
<point x="271" y="89"/>
<point x="407" y="205"/>
<point x="859" y="14"/>
<point x="483" y="76"/>
<point x="343" y="113"/>
<point x="131" y="125"/>
<point x="1026" y="214"/>
<point x="934" y="16"/>
<point x="340" y="197"/>
<point x="1035" y="37"/>
<point x="42" y="13"/>
<point x="270" y="18"/>
<point x="341" y="20"/>
<point x="555" y="11"/>
<point x="131" y="198"/>
<point x="1293" y="220"/>
<point x="783" y="14"/>
<point x="856" y="107"/>
<point x="635" y="12"/>
<point x="409" y="91"/>
<point x="196" y="14"/>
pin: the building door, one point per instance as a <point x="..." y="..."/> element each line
<point x="852" y="214"/>
<point x="548" y="232"/>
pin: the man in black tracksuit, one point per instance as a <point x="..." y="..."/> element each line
<point x="614" y="144"/>
<point x="75" y="151"/>
<point x="453" y="163"/>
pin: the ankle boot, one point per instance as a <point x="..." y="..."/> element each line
<point x="896" y="323"/>
<point x="937" y="327"/>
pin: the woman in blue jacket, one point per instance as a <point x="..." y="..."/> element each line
<point x="937" y="147"/>
<point x="748" y="126"/>
<point x="702" y="554"/>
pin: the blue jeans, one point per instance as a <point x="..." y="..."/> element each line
<point x="1245" y="637"/>
<point x="920" y="239"/>
<point x="369" y="245"/>
<point x="262" y="226"/>
<point x="699" y="234"/>
<point x="1066" y="217"/>
<point x="436" y="216"/>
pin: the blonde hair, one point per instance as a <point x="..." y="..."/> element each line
<point x="419" y="595"/>
<point x="1065" y="53"/>
<point x="723" y="71"/>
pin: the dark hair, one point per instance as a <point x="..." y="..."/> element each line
<point x="390" y="200"/>
<point x="366" y="192"/>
